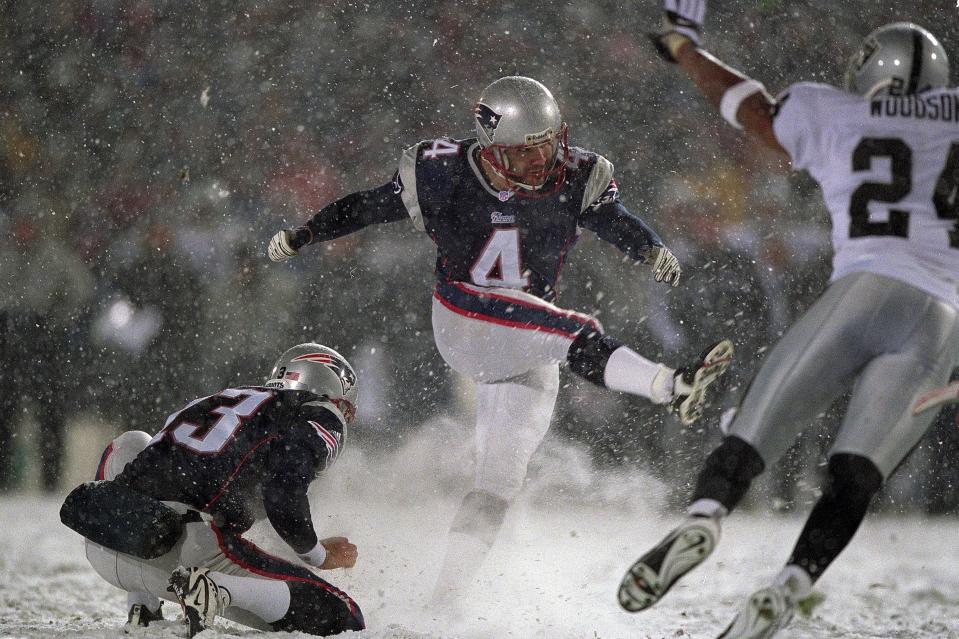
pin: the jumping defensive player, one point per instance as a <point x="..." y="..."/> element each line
<point x="886" y="153"/>
<point x="503" y="209"/>
<point x="180" y="502"/>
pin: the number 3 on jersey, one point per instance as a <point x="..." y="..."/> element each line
<point x="499" y="263"/>
<point x="207" y="439"/>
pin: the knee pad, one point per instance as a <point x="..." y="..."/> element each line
<point x="319" y="611"/>
<point x="728" y="472"/>
<point x="481" y="516"/>
<point x="853" y="477"/>
<point x="589" y="353"/>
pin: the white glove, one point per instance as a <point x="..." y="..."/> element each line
<point x="682" y="22"/>
<point x="280" y="248"/>
<point x="665" y="265"/>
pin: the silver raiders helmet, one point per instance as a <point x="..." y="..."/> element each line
<point x="898" y="59"/>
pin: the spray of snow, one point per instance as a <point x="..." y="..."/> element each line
<point x="552" y="574"/>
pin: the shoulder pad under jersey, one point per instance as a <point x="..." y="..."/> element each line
<point x="428" y="171"/>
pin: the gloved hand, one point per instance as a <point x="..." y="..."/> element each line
<point x="682" y="23"/>
<point x="287" y="243"/>
<point x="664" y="264"/>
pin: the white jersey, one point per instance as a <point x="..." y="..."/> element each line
<point x="888" y="168"/>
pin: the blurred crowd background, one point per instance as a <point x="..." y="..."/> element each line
<point x="150" y="148"/>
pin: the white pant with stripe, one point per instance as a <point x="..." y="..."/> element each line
<point x="510" y="343"/>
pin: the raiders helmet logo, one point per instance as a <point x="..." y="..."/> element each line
<point x="487" y="118"/>
<point x="869" y="48"/>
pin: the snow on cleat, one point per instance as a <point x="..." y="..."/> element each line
<point x="766" y="612"/>
<point x="654" y="573"/>
<point x="691" y="382"/>
<point x="141" y="617"/>
<point x="199" y="597"/>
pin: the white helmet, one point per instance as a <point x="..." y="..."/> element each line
<point x="320" y="370"/>
<point x="899" y="59"/>
<point x="518" y="114"/>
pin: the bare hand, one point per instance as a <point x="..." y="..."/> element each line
<point x="340" y="553"/>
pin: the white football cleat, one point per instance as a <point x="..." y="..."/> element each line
<point x="653" y="574"/>
<point x="766" y="612"/>
<point x="691" y="382"/>
<point x="199" y="596"/>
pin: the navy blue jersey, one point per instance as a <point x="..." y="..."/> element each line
<point x="487" y="237"/>
<point x="242" y="453"/>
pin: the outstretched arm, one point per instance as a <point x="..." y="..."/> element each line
<point x="346" y="215"/>
<point x="743" y="102"/>
<point x="605" y="215"/>
<point x="307" y="449"/>
<point x="613" y="223"/>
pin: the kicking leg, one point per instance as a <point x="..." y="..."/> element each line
<point x="496" y="334"/>
<point x="606" y="362"/>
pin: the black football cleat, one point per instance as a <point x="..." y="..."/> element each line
<point x="653" y="574"/>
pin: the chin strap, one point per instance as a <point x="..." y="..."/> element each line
<point x="499" y="163"/>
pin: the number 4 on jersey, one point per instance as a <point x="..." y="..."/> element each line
<point x="946" y="196"/>
<point x="440" y="148"/>
<point x="499" y="264"/>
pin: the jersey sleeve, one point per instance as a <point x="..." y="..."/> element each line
<point x="352" y="213"/>
<point x="800" y="119"/>
<point x="310" y="446"/>
<point x="604" y="214"/>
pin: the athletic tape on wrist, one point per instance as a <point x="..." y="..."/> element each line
<point x="734" y="97"/>
<point x="674" y="41"/>
<point x="315" y="557"/>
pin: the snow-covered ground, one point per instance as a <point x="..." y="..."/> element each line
<point x="553" y="573"/>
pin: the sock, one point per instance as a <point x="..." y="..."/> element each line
<point x="630" y="372"/>
<point x="796" y="580"/>
<point x="706" y="507"/>
<point x="728" y="472"/>
<point x="151" y="602"/>
<point x="268" y="599"/>
<point x="834" y="520"/>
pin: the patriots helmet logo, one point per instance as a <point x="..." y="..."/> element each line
<point x="487" y="118"/>
<point x="344" y="373"/>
